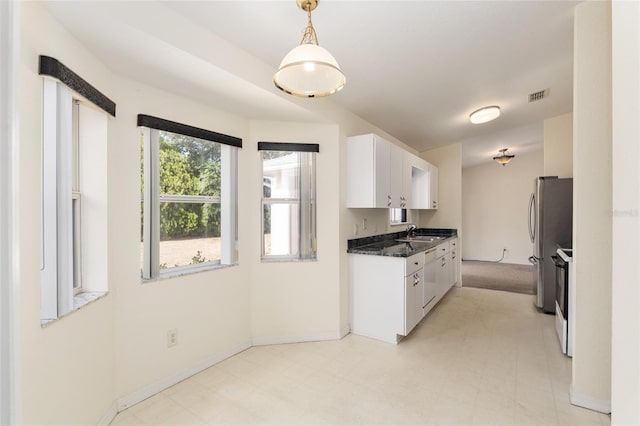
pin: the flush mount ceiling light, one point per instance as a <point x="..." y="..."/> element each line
<point x="309" y="70"/>
<point x="484" y="115"/>
<point x="504" y="158"/>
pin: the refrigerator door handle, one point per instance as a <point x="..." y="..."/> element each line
<point x="532" y="212"/>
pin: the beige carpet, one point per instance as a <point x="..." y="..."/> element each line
<point x="498" y="276"/>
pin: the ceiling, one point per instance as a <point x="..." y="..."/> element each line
<point x="415" y="69"/>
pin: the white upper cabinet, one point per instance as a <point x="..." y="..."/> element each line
<point x="368" y="172"/>
<point x="433" y="187"/>
<point x="400" y="179"/>
<point x="418" y="172"/>
<point x="383" y="175"/>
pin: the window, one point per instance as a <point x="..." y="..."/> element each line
<point x="398" y="216"/>
<point x="74" y="192"/>
<point x="288" y="201"/>
<point x="188" y="199"/>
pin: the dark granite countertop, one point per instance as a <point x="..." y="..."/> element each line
<point x="387" y="244"/>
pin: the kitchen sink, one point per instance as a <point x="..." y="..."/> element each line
<point x="420" y="239"/>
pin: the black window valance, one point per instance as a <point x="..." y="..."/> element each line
<point x="288" y="146"/>
<point x="185" y="129"/>
<point x="56" y="69"/>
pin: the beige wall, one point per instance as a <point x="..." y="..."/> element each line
<point x="494" y="209"/>
<point x="210" y="309"/>
<point x="68" y="366"/>
<point x="591" y="378"/>
<point x="448" y="159"/>
<point x="625" y="362"/>
<point x="558" y="146"/>
<point x="115" y="349"/>
<point x="295" y="301"/>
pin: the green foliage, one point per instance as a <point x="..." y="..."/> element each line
<point x="198" y="258"/>
<point x="188" y="166"/>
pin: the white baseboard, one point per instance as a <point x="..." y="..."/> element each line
<point x="346" y="329"/>
<point x="602" y="406"/>
<point x="108" y="417"/>
<point x="279" y="340"/>
<point x="154" y="388"/>
<point x="148" y="391"/>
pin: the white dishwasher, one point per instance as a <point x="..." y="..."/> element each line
<point x="429" y="278"/>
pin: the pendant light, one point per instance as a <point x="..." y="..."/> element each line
<point x="309" y="70"/>
<point x="504" y="158"/>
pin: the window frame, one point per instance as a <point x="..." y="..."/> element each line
<point x="73" y="114"/>
<point x="306" y="202"/>
<point x="152" y="198"/>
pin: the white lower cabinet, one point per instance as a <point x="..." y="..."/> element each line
<point x="386" y="295"/>
<point x="444" y="273"/>
<point x="414" y="289"/>
<point x="391" y="295"/>
<point x="455" y="265"/>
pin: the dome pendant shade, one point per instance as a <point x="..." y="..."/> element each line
<point x="504" y="158"/>
<point x="309" y="71"/>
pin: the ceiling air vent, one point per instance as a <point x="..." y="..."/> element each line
<point x="536" y="96"/>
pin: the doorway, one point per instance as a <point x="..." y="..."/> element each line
<point x="494" y="218"/>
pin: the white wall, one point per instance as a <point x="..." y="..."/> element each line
<point x="495" y="206"/>
<point x="591" y="366"/>
<point x="68" y="366"/>
<point x="625" y="362"/>
<point x="558" y="146"/>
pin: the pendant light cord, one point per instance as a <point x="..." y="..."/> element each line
<point x="309" y="36"/>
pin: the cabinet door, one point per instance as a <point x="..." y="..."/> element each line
<point x="368" y="172"/>
<point x="382" y="173"/>
<point x="433" y="186"/>
<point x="443" y="275"/>
<point x="413" y="300"/>
<point x="396" y="177"/>
<point x="454" y="262"/>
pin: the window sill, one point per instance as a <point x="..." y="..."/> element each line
<point x="286" y="259"/>
<point x="79" y="301"/>
<point x="181" y="272"/>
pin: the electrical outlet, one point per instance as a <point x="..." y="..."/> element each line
<point x="364" y="224"/>
<point x="355" y="229"/>
<point x="172" y="337"/>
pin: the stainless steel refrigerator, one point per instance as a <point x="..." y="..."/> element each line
<point x="550" y="222"/>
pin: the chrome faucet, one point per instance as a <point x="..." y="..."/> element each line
<point x="411" y="230"/>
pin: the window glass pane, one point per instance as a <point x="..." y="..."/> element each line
<point x="189" y="166"/>
<point x="281" y="171"/>
<point x="75" y="218"/>
<point x="281" y="229"/>
<point x="189" y="234"/>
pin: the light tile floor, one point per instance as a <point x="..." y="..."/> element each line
<point x="481" y="357"/>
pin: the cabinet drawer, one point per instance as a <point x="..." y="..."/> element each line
<point x="414" y="263"/>
<point x="442" y="249"/>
